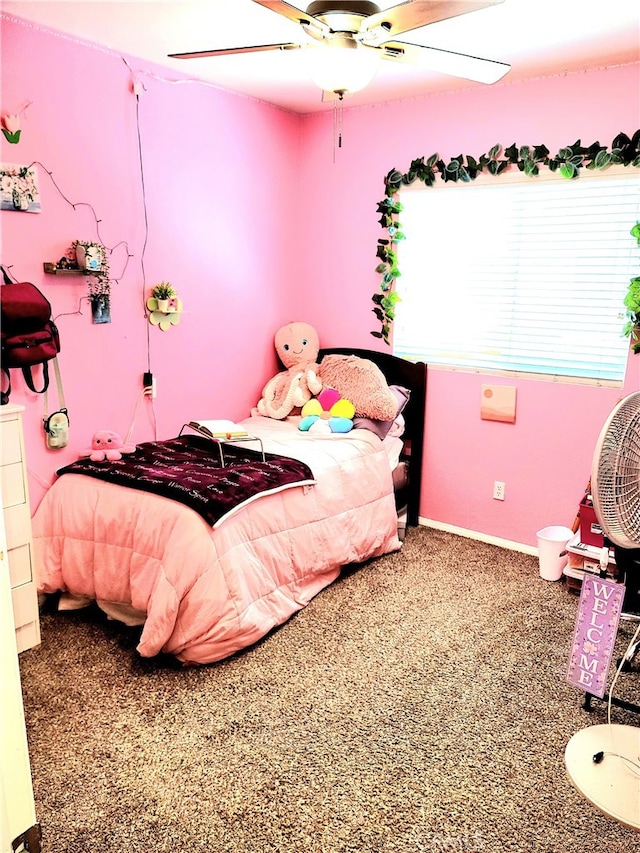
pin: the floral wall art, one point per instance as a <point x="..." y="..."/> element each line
<point x="19" y="188"/>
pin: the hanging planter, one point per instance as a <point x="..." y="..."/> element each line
<point x="165" y="306"/>
<point x="163" y="293"/>
<point x="92" y="258"/>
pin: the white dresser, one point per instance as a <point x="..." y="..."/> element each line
<point x="17" y="521"/>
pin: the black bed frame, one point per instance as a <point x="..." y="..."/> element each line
<point x="398" y="371"/>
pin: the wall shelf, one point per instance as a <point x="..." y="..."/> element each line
<point x="52" y="269"/>
<point x="163" y="319"/>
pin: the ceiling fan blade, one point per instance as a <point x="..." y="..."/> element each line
<point x="227" y="51"/>
<point x="445" y="61"/>
<point x="294" y="14"/>
<point x="418" y="13"/>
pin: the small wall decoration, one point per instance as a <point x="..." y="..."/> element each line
<point x="165" y="306"/>
<point x="11" y="128"/>
<point x="595" y="634"/>
<point x="19" y="188"/>
<point x="498" y="403"/>
<point x="92" y="258"/>
<point x="100" y="308"/>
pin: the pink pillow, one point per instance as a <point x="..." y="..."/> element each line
<point x="362" y="382"/>
<point x="381" y="427"/>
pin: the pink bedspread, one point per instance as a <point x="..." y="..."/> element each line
<point x="208" y="592"/>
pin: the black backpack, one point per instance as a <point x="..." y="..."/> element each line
<point x="28" y="334"/>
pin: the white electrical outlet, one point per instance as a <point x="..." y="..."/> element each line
<point x="498" y="490"/>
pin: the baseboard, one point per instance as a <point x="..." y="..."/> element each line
<point x="479" y="537"/>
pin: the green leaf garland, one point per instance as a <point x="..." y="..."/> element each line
<point x="568" y="161"/>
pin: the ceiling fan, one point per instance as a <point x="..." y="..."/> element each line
<point x="348" y="38"/>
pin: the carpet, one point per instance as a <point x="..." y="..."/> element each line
<point x="417" y="704"/>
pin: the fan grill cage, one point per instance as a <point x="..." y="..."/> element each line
<point x="615" y="475"/>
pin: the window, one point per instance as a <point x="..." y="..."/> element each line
<point x="521" y="275"/>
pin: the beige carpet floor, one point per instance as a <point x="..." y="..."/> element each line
<point x="418" y="704"/>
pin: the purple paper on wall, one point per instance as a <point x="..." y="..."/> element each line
<point x="595" y="634"/>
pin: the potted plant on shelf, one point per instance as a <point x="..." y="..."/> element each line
<point x="162" y="293"/>
<point x="632" y="303"/>
<point x="92" y="258"/>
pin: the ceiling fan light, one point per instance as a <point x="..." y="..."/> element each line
<point x="341" y="65"/>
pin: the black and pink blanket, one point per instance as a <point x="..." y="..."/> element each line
<point x="188" y="469"/>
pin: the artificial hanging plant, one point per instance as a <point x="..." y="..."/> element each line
<point x="528" y="159"/>
<point x="92" y="257"/>
<point x="632" y="302"/>
<point x="163" y="290"/>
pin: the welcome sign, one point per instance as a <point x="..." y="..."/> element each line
<point x="595" y="634"/>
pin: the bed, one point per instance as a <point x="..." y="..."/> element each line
<point x="202" y="589"/>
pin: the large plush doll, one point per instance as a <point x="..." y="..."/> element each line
<point x="297" y="345"/>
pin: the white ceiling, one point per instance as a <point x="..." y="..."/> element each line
<point x="538" y="38"/>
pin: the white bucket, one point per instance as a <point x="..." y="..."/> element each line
<point x="552" y="553"/>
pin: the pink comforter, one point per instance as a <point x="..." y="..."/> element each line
<point x="208" y="592"/>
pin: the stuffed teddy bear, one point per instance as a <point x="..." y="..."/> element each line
<point x="106" y="444"/>
<point x="297" y="345"/>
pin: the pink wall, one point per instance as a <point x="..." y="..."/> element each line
<point x="255" y="224"/>
<point x="545" y="457"/>
<point x="217" y="171"/>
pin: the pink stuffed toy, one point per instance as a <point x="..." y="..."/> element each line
<point x="297" y="345"/>
<point x="106" y="444"/>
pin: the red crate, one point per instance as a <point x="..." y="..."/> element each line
<point x="590" y="530"/>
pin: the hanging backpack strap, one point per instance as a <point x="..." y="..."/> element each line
<point x="28" y="377"/>
<point x="5" y="394"/>
<point x="56" y="425"/>
<point x="62" y="408"/>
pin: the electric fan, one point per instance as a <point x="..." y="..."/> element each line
<point x="615" y="487"/>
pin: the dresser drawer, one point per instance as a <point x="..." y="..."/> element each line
<point x="20" y="565"/>
<point x="26" y="618"/>
<point x="25" y="604"/>
<point x="13" y="485"/>
<point x="16" y="511"/>
<point x="17" y="523"/>
<point x="11" y="447"/>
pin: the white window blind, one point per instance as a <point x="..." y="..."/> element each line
<point x="525" y="276"/>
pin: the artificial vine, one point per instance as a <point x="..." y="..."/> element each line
<point x="99" y="276"/>
<point x="568" y="161"/>
<point x="632" y="302"/>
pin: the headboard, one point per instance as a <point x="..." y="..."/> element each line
<point x="398" y="371"/>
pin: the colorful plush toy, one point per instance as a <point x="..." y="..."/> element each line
<point x="106" y="444"/>
<point x="297" y="345"/>
<point x="329" y="412"/>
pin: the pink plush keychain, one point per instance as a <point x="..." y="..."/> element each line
<point x="109" y="445"/>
